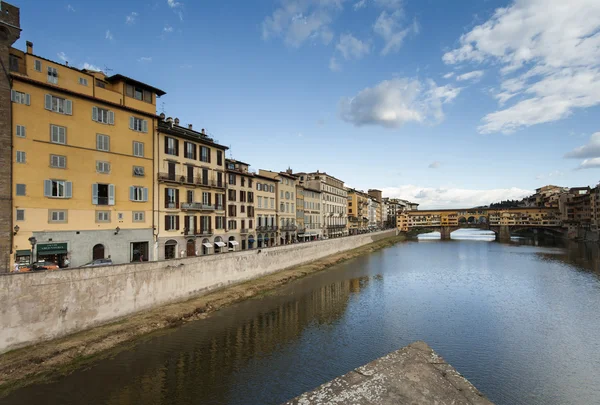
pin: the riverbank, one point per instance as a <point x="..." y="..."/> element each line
<point x="44" y="361"/>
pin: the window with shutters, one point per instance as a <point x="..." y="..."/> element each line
<point x="58" y="105"/>
<point x="258" y="186"/>
<point x="37" y="65"/>
<point x="103" y="167"/>
<point x="219" y="222"/>
<point x="171" y="146"/>
<point x="103" y="194"/>
<point x="242" y="195"/>
<point x="219" y="201"/>
<point x="103" y="116"/>
<point x="205" y="154"/>
<point x="272" y="203"/>
<point x="242" y="181"/>
<point x="139" y="216"/>
<point x="20" y="215"/>
<point x="21" y="188"/>
<point x="100" y="83"/>
<point x="13" y="63"/>
<point x="259" y="202"/>
<point x="52" y="75"/>
<point x="58" y="134"/>
<point x="232" y="211"/>
<point x="232" y="224"/>
<point x="58" y="161"/>
<point x="83" y="81"/>
<point x="138" y="193"/>
<point x="57" y="216"/>
<point x="171" y="198"/>
<point x="232" y="179"/>
<point x="19" y="97"/>
<point x="205" y="224"/>
<point x="58" y="188"/>
<point x="250" y="183"/>
<point x="190" y="150"/>
<point x="171" y="222"/>
<point x="20" y="131"/>
<point x="138" y="149"/>
<point x="21" y="156"/>
<point x="139" y="171"/>
<point x="242" y="208"/>
<point x="103" y="142"/>
<point x="138" y="124"/>
<point x="102" y="216"/>
<point x="219" y="158"/>
<point x="206" y="198"/>
<point x="250" y="196"/>
<point x="231" y="195"/>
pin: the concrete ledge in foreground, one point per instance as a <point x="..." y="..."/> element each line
<point x="412" y="375"/>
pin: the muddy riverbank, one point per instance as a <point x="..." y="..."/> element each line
<point x="51" y="359"/>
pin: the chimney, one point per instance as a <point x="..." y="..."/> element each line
<point x="162" y="116"/>
<point x="170" y="121"/>
<point x="176" y="121"/>
<point x="67" y="63"/>
<point x="189" y="126"/>
<point x="202" y="132"/>
<point x="29" y="47"/>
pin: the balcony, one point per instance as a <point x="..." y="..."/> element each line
<point x="288" y="228"/>
<point x="167" y="177"/>
<point x="209" y="183"/>
<point x="195" y="206"/>
<point x="219" y="207"/>
<point x="244" y="231"/>
<point x="204" y="232"/>
<point x="336" y="226"/>
<point x="171" y="206"/>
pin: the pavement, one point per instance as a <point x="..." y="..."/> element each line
<point x="413" y="375"/>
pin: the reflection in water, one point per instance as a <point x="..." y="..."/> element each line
<point x="462" y="234"/>
<point x="519" y="320"/>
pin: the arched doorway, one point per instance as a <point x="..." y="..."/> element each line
<point x="232" y="243"/>
<point x="260" y="240"/>
<point x="482" y="220"/>
<point x="98" y="252"/>
<point x="170" y="249"/>
<point x="219" y="244"/>
<point x="251" y="242"/>
<point x="190" y="249"/>
<point x="206" y="246"/>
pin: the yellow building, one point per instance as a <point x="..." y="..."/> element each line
<point x="301" y="228"/>
<point x="266" y="211"/>
<point x="285" y="202"/>
<point x="189" y="201"/>
<point x="83" y="174"/>
<point x="240" y="206"/>
<point x="358" y="212"/>
<point x="312" y="213"/>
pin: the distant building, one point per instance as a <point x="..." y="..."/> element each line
<point x="241" y="234"/>
<point x="285" y="204"/>
<point x="312" y="213"/>
<point x="266" y="211"/>
<point x="358" y="211"/>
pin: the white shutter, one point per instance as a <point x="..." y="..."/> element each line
<point x="111" y="194"/>
<point x="111" y="117"/>
<point x="132" y="193"/>
<point x="144" y="126"/>
<point x="95" y="194"/>
<point x="48" y="102"/>
<point x="27" y="99"/>
<point x="13" y="96"/>
<point x="145" y="192"/>
<point x="95" y="113"/>
<point x="68" y="107"/>
<point x="69" y="189"/>
<point x="47" y="188"/>
<point x="62" y="135"/>
<point x="131" y="122"/>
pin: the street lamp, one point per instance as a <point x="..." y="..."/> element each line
<point x="33" y="241"/>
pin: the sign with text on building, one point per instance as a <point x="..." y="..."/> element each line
<point x="51" y="248"/>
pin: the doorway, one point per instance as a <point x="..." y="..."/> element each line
<point x="190" y="248"/>
<point x="98" y="252"/>
<point x="170" y="249"/>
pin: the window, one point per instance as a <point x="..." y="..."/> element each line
<point x="83" y="81"/>
<point x="58" y="105"/>
<point x="58" y="134"/>
<point x="243" y="208"/>
<point x="20" y="98"/>
<point x="205" y="154"/>
<point x="258" y="186"/>
<point x="139" y="171"/>
<point x="138" y="149"/>
<point x="138" y="216"/>
<point x="232" y="224"/>
<point x="272" y="203"/>
<point x="272" y="188"/>
<point x="190" y="150"/>
<point x="171" y="222"/>
<point x="231" y="195"/>
<point x="120" y="216"/>
<point x="102" y="216"/>
<point x="206" y="198"/>
<point x="100" y="84"/>
<point x="21" y="189"/>
<point x="232" y="179"/>
<point x="219" y="158"/>
<point x="103" y="116"/>
<point x="21" y="156"/>
<point x="220" y="222"/>
<point x="281" y="195"/>
<point x="37" y="65"/>
<point x="52" y="75"/>
<point x="243" y="181"/>
<point x="103" y="167"/>
<point x="20" y="215"/>
<point x="250" y="183"/>
<point x="219" y="201"/>
<point x="57" y="216"/>
<point x="259" y="202"/>
<point x="287" y="195"/>
<point x="171" y="146"/>
<point x="102" y="142"/>
<point x="20" y="131"/>
<point x="138" y="124"/>
<point x="103" y="194"/>
<point x="13" y="63"/>
<point x="57" y="161"/>
<point x="137" y="193"/>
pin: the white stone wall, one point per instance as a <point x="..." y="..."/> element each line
<point x="45" y="305"/>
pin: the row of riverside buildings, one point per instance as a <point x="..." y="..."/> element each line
<point x="92" y="172"/>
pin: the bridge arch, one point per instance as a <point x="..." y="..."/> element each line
<point x="482" y="220"/>
<point x="462" y="220"/>
<point x="471" y="220"/>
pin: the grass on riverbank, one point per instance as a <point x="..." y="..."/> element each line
<point x="48" y="360"/>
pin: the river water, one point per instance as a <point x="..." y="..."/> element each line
<point x="520" y="321"/>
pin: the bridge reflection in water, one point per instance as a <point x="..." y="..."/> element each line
<point x="462" y="234"/>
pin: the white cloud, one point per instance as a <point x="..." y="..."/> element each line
<point x="392" y="103"/>
<point x="474" y="75"/>
<point x="389" y="26"/>
<point x="360" y="4"/>
<point x="589" y="150"/>
<point x="448" y="197"/>
<point x="434" y="165"/>
<point x="351" y="47"/>
<point x="553" y="174"/>
<point x="334" y="66"/>
<point x="62" y="56"/>
<point x="130" y="19"/>
<point x="168" y="28"/>
<point x="448" y="75"/>
<point x="391" y="4"/>
<point x="145" y="59"/>
<point x="89" y="66"/>
<point x="298" y="21"/>
<point x="593" y="163"/>
<point x="177" y="8"/>
<point x="109" y="35"/>
<point x="553" y="49"/>
<point x="70" y="8"/>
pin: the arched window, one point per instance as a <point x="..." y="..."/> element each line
<point x="98" y="252"/>
<point x="170" y="249"/>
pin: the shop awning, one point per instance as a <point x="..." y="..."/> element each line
<point x="207" y="245"/>
<point x="260" y="237"/>
<point x="250" y="239"/>
<point x="220" y="244"/>
<point x="266" y="238"/>
<point x="233" y="242"/>
<point x="24" y="252"/>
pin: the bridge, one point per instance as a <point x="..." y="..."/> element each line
<point x="502" y="221"/>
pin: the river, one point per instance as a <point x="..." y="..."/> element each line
<point x="520" y="321"/>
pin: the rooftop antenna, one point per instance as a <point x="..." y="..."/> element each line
<point x="107" y="69"/>
<point x="230" y="152"/>
<point x="162" y="107"/>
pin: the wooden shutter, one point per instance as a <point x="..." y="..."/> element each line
<point x="144" y="126"/>
<point x="176" y="147"/>
<point x="166" y="145"/>
<point x="166" y="198"/>
<point x="209" y="223"/>
<point x="111" y="118"/>
<point x="147" y="96"/>
<point x="48" y="102"/>
<point x="47" y="188"/>
<point x="208" y="152"/>
<point x="68" y="107"/>
<point x="167" y="223"/>
<point x="145" y="194"/>
<point x="95" y="193"/>
<point x="177" y="199"/>
<point x="209" y="199"/>
<point x="95" y="113"/>
<point x="27" y="99"/>
<point x="195" y="151"/>
<point x="68" y="189"/>
<point x="111" y="194"/>
<point x="196" y="223"/>
<point x="177" y="223"/>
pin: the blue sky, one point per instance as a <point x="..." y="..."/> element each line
<point x="444" y="103"/>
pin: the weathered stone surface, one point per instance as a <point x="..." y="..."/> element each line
<point x="413" y="375"/>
